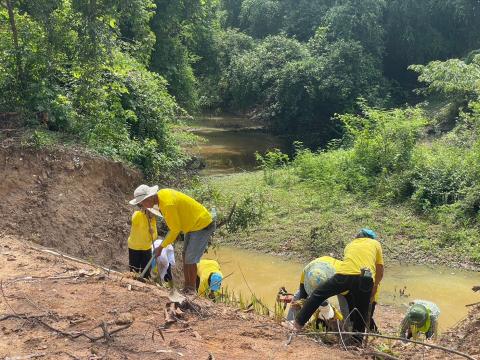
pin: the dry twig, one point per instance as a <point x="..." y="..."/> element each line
<point x="438" y="347"/>
<point x="107" y="335"/>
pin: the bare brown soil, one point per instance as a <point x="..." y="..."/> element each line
<point x="466" y="335"/>
<point x="72" y="297"/>
<point x="67" y="200"/>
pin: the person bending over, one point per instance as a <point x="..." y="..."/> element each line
<point x="313" y="275"/>
<point x="182" y="214"/>
<point x="420" y="318"/>
<point x="360" y="273"/>
<point x="209" y="278"/>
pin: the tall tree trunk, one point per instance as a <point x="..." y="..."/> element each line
<point x="13" y="27"/>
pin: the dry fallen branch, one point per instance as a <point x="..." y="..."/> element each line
<point x="438" y="347"/>
<point x="107" y="335"/>
<point x="378" y="354"/>
<point x="25" y="357"/>
<point x="474" y="304"/>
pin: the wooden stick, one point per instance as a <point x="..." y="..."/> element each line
<point x="394" y="338"/>
<point x="380" y="354"/>
<point x="477" y="303"/>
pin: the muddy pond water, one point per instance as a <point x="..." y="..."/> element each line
<point x="231" y="142"/>
<point x="450" y="289"/>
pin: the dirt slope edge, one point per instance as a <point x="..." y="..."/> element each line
<point x="69" y="200"/>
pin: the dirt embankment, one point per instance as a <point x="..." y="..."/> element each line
<point x="77" y="203"/>
<point x="68" y="200"/>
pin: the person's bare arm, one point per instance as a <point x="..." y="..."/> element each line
<point x="378" y="277"/>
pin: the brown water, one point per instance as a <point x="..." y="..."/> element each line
<point x="231" y="143"/>
<point x="265" y="274"/>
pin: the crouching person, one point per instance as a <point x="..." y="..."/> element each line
<point x="421" y="318"/>
<point x="209" y="278"/>
<point x="360" y="273"/>
<point x="313" y="275"/>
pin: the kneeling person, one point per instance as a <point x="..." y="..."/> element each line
<point x="421" y="317"/>
<point x="209" y="278"/>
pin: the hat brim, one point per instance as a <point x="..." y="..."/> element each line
<point x="151" y="192"/>
<point x="155" y="212"/>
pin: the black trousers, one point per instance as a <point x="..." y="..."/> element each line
<point x="351" y="305"/>
<point x="138" y="260"/>
<point x="359" y="287"/>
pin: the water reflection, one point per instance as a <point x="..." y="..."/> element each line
<point x="231" y="143"/>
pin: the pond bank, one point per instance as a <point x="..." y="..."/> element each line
<point x="265" y="274"/>
<point x="299" y="220"/>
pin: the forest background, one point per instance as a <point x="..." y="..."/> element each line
<point x="382" y="96"/>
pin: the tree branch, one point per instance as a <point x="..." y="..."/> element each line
<point x="438" y="347"/>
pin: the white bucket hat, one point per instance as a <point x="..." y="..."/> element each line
<point x="155" y="211"/>
<point x="142" y="192"/>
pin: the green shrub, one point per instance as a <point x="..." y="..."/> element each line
<point x="39" y="139"/>
<point x="271" y="161"/>
<point x="439" y="174"/>
<point x="383" y="140"/>
<point x="248" y="212"/>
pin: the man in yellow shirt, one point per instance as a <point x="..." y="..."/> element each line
<point x="142" y="233"/>
<point x="359" y="273"/>
<point x="182" y="214"/>
<point x="209" y="278"/>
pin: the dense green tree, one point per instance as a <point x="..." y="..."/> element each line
<point x="303" y="17"/>
<point x="359" y="20"/>
<point x="421" y="31"/>
<point x="260" y="18"/>
<point x="230" y="13"/>
<point x="78" y="64"/>
<point x="184" y="31"/>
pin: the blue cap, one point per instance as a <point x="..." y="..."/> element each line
<point x="369" y="233"/>
<point x="216" y="281"/>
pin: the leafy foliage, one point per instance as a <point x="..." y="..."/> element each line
<point x="84" y="67"/>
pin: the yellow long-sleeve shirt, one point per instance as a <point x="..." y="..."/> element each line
<point x="204" y="269"/>
<point x="140" y="237"/>
<point x="182" y="214"/>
